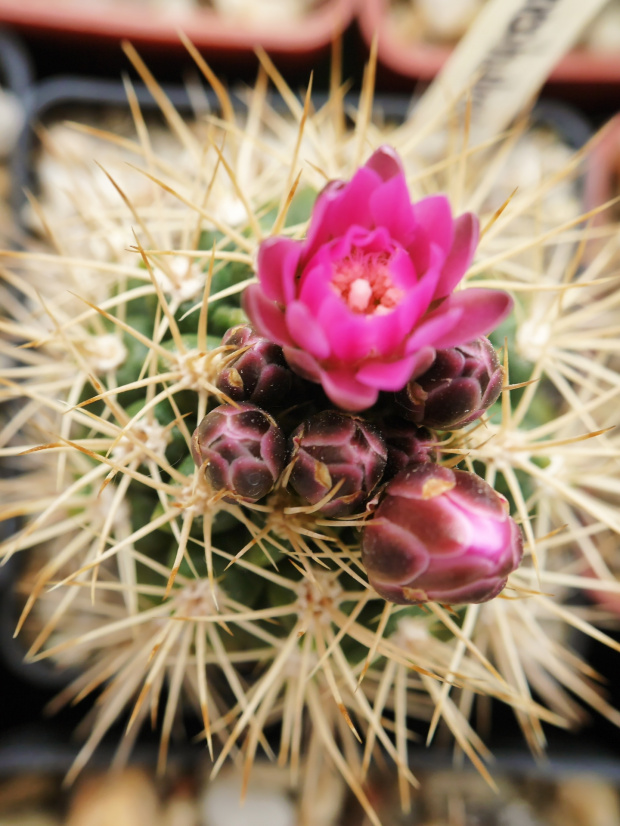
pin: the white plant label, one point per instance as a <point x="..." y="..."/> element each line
<point x="503" y="60"/>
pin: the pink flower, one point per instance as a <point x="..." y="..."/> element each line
<point x="440" y="534"/>
<point x="363" y="301"/>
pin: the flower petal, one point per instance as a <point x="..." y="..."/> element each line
<point x="306" y="331"/>
<point x="390" y="206"/>
<point x="434" y="329"/>
<point x="302" y="363"/>
<point x="435" y="216"/>
<point x="339" y="208"/>
<point x="315" y="283"/>
<point x="391" y="329"/>
<point x="278" y="259"/>
<point x="394" y="375"/>
<point x="346" y="391"/>
<point x="265" y="315"/>
<point x="385" y="162"/>
<point x="351" y="335"/>
<point x="466" y="233"/>
<point x="419" y="296"/>
<point x="481" y="311"/>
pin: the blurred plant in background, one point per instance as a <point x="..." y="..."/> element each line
<point x="168" y="584"/>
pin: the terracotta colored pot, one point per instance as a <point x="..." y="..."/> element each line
<point x="580" y="70"/>
<point x="603" y="176"/>
<point x="602" y="180"/>
<point x="219" y="37"/>
<point x="608" y="600"/>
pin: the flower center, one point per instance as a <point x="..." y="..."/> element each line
<point x="364" y="282"/>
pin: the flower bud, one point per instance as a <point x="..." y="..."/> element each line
<point x="406" y="444"/>
<point x="460" y="385"/>
<point x="442" y="535"/>
<point x="333" y="447"/>
<point x="243" y="448"/>
<point x="259" y="374"/>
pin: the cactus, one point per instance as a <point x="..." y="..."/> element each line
<point x="257" y="610"/>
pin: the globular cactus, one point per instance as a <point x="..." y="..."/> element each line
<point x="258" y="584"/>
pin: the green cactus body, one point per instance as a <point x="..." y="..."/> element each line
<point x="257" y="612"/>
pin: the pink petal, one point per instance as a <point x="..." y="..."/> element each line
<point x="435" y="216"/>
<point x="391" y="330"/>
<point x="318" y="228"/>
<point x="265" y="315"/>
<point x="424" y="359"/>
<point x="339" y="208"/>
<point x="350" y="335"/>
<point x="419" y="248"/>
<point x="391" y="375"/>
<point x="306" y="331"/>
<point x="431" y="330"/>
<point x="302" y="363"/>
<point x="390" y="206"/>
<point x="402" y="270"/>
<point x="385" y="162"/>
<point x="352" y="206"/>
<point x="375" y="240"/>
<point x="481" y="311"/>
<point x="278" y="259"/>
<point x="346" y="392"/>
<point x="419" y="296"/>
<point x="315" y="282"/>
<point x="466" y="233"/>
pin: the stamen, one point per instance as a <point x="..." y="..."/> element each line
<point x="364" y="282"/>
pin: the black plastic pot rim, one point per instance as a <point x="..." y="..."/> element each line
<point x="16" y="72"/>
<point x="58" y="91"/>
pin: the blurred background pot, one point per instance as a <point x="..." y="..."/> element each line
<point x="298" y="32"/>
<point x="589" y="75"/>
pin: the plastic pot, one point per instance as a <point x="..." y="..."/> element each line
<point x="581" y="75"/>
<point x="156" y="28"/>
<point x="15" y="64"/>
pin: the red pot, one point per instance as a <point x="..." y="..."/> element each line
<point x="578" y="73"/>
<point x="217" y="36"/>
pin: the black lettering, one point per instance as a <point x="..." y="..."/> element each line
<point x="527" y="21"/>
<point x="514" y="42"/>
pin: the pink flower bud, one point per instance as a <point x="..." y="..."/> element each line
<point x="242" y="448"/>
<point x="442" y="535"/>
<point x="459" y="386"/>
<point x="333" y="447"/>
<point x="259" y="374"/>
<point x="406" y="443"/>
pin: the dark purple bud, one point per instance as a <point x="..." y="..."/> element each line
<point x="460" y="385"/>
<point x="442" y="535"/>
<point x="242" y="448"/>
<point x="333" y="447"/>
<point x="406" y="444"/>
<point x="259" y="374"/>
